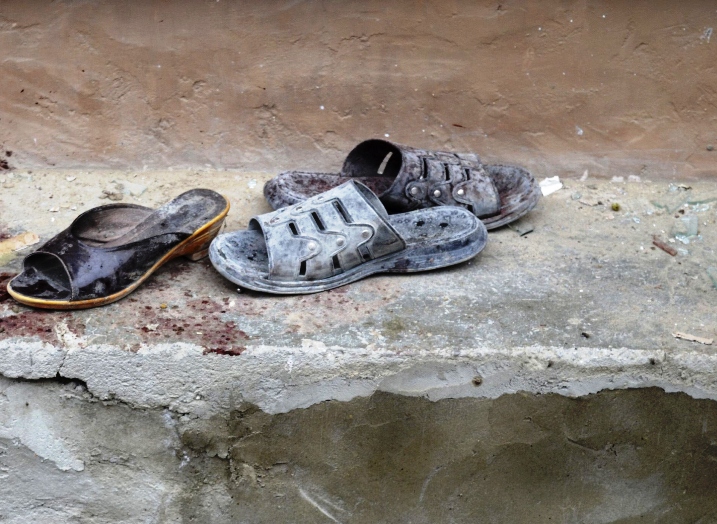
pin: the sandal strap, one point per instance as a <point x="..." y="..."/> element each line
<point x="429" y="178"/>
<point x="327" y="234"/>
<point x="95" y="272"/>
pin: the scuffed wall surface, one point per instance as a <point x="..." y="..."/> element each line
<point x="560" y="86"/>
<point x="618" y="456"/>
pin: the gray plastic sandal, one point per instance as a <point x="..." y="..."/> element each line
<point x="406" y="178"/>
<point x="339" y="237"/>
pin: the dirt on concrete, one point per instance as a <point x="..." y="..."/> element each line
<point x="571" y="282"/>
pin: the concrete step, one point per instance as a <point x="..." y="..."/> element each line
<point x="385" y="400"/>
<point x="584" y="302"/>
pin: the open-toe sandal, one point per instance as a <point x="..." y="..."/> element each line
<point x="339" y="237"/>
<point x="110" y="250"/>
<point x="406" y="178"/>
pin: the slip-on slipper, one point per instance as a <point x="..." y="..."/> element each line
<point x="339" y="237"/>
<point x="110" y="250"/>
<point x="406" y="178"/>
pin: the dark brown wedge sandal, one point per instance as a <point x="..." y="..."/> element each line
<point x="406" y="178"/>
<point x="110" y="250"/>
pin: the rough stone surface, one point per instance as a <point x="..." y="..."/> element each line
<point x="583" y="303"/>
<point x="620" y="456"/>
<point x="499" y="390"/>
<point x="558" y="86"/>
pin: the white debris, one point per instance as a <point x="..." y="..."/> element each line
<point x="70" y="178"/>
<point x="618" y="179"/>
<point x="693" y="338"/>
<point x="633" y="178"/>
<point x="550" y="185"/>
<point x="18" y="243"/>
<point x="579" y="130"/>
<point x="251" y="184"/>
<point x="129" y="188"/>
<point x="308" y="343"/>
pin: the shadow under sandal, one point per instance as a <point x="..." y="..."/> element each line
<point x="406" y="178"/>
<point x="110" y="250"/>
<point x="339" y="237"/>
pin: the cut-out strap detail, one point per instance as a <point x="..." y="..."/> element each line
<point x="327" y="234"/>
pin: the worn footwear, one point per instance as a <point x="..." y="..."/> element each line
<point x="339" y="237"/>
<point x="405" y="178"/>
<point x="110" y="250"/>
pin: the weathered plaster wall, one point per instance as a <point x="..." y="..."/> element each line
<point x="558" y="85"/>
<point x="620" y="456"/>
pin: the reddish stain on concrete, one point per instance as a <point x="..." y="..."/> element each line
<point x="198" y="321"/>
<point x="5" y="279"/>
<point x="39" y="324"/>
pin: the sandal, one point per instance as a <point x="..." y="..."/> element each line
<point x="339" y="237"/>
<point x="110" y="250"/>
<point x="405" y="178"/>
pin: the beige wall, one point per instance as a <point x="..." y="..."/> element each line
<point x="242" y="84"/>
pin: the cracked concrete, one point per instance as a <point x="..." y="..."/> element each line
<point x="539" y="383"/>
<point x="618" y="456"/>
<point x="585" y="302"/>
<point x="232" y="405"/>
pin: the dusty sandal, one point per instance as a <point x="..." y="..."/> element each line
<point x="406" y="178"/>
<point x="339" y="237"/>
<point x="110" y="250"/>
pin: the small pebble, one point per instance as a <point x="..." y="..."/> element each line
<point x="163" y="306"/>
<point x="710" y="148"/>
<point x="615" y="206"/>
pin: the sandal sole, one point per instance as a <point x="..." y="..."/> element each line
<point x="417" y="260"/>
<point x="522" y="191"/>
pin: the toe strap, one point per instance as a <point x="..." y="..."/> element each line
<point x="448" y="179"/>
<point x="44" y="276"/>
<point x="327" y="234"/>
<point x="65" y="268"/>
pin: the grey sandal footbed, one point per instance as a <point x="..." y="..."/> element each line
<point x="312" y="247"/>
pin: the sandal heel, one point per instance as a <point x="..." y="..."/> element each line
<point x="196" y="257"/>
<point x="199" y="247"/>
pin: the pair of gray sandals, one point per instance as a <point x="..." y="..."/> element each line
<point x="391" y="209"/>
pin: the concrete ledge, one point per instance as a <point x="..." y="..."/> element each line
<point x="583" y="303"/>
<point x="234" y="406"/>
